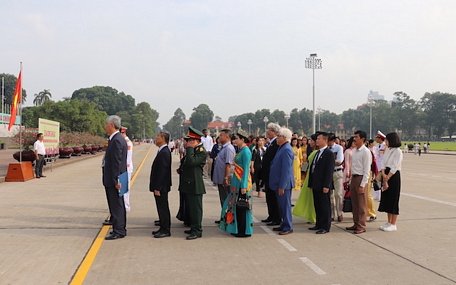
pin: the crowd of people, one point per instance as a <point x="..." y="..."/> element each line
<point x="334" y="176"/>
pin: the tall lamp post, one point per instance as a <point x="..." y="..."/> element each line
<point x="265" y="120"/>
<point x="370" y="103"/>
<point x="313" y="63"/>
<point x="319" y="117"/>
<point x="287" y="117"/>
<point x="249" y="122"/>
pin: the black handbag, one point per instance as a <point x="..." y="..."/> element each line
<point x="347" y="207"/>
<point x="243" y="202"/>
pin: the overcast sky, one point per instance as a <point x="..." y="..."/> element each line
<point x="235" y="56"/>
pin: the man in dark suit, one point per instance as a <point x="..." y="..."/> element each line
<point x="273" y="218"/>
<point x="114" y="164"/>
<point x="160" y="184"/>
<point x="320" y="179"/>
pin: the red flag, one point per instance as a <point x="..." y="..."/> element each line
<point x="17" y="99"/>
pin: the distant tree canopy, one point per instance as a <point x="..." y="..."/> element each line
<point x="106" y="98"/>
<point x="10" y="85"/>
<point x="175" y="125"/>
<point x="201" y="116"/>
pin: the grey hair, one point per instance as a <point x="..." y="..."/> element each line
<point x="286" y="133"/>
<point x="115" y="120"/>
<point x="274" y="127"/>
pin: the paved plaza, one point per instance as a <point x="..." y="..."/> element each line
<point x="47" y="227"/>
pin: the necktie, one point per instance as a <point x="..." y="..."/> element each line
<point x="317" y="156"/>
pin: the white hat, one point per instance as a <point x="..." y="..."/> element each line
<point x="381" y="135"/>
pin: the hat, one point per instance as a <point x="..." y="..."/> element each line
<point x="193" y="134"/>
<point x="123" y="129"/>
<point x="381" y="135"/>
<point x="243" y="134"/>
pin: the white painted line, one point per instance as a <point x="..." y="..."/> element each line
<point x="286" y="245"/>
<point x="312" y="266"/>
<point x="429" y="199"/>
<point x="267" y="230"/>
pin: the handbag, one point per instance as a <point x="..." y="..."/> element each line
<point x="229" y="217"/>
<point x="243" y="202"/>
<point x="347" y="206"/>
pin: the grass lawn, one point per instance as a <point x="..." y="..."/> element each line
<point x="439" y="145"/>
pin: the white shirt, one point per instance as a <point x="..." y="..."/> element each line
<point x="393" y="159"/>
<point x="379" y="152"/>
<point x="339" y="151"/>
<point x="361" y="163"/>
<point x="208" y="143"/>
<point x="38" y="146"/>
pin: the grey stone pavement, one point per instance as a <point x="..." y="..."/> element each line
<point x="47" y="226"/>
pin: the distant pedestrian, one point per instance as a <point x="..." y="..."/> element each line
<point x="208" y="143"/>
<point x="391" y="178"/>
<point x="257" y="158"/>
<point x="40" y="152"/>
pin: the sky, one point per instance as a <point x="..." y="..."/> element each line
<point x="235" y="56"/>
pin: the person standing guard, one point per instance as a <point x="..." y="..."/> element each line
<point x="123" y="131"/>
<point x="40" y="152"/>
<point x="192" y="181"/>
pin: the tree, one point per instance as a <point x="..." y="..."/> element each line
<point x="174" y="125"/>
<point x="42" y="97"/>
<point x="143" y="121"/>
<point x="106" y="98"/>
<point x="201" y="116"/>
<point x="440" y="112"/>
<point x="10" y="85"/>
<point x="404" y="113"/>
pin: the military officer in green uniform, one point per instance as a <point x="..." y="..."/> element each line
<point x="192" y="181"/>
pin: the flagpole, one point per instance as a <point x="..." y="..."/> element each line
<point x="3" y="94"/>
<point x="20" y="125"/>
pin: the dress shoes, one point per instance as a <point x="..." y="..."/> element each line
<point x="156" y="232"/>
<point x="107" y="223"/>
<point x="284" y="233"/>
<point x="157" y="223"/>
<point x="217" y="222"/>
<point x="322" y="232"/>
<point x="352" y="228"/>
<point x="114" y="236"/>
<point x="187" y="232"/>
<point x="42" y="176"/>
<point x="314" y="229"/>
<point x="357" y="232"/>
<point x="193" y="236"/>
<point x="268" y="220"/>
<point x="273" y="224"/>
<point x="371" y="219"/>
<point x="277" y="229"/>
<point x="162" y="234"/>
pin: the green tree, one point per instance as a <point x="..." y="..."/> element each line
<point x="42" y="97"/>
<point x="201" y="116"/>
<point x="440" y="112"/>
<point x="405" y="113"/>
<point x="10" y="85"/>
<point x="106" y="98"/>
<point x="143" y="121"/>
<point x="174" y="125"/>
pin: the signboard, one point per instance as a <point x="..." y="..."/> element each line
<point x="5" y="118"/>
<point x="51" y="133"/>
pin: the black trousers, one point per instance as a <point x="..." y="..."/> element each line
<point x="39" y="163"/>
<point x="273" y="206"/>
<point x="182" y="214"/>
<point x="163" y="211"/>
<point x="117" y="209"/>
<point x="322" y="204"/>
<point x="195" y="210"/>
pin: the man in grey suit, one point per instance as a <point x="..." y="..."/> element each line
<point x="114" y="164"/>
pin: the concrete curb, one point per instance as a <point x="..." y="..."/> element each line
<point x="65" y="162"/>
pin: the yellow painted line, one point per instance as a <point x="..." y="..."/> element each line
<point x="86" y="264"/>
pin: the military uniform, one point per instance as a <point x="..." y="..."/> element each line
<point x="192" y="183"/>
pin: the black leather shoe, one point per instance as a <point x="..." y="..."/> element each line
<point x="114" y="236"/>
<point x="283" y="233"/>
<point x="43" y="176"/>
<point x="162" y="234"/>
<point x="188" y="232"/>
<point x="322" y="232"/>
<point x="193" y="236"/>
<point x="157" y="223"/>
<point x="217" y="222"/>
<point x="156" y="232"/>
<point x="314" y="228"/>
<point x="273" y="224"/>
<point x="107" y="223"/>
<point x="268" y="220"/>
<point x="277" y="229"/>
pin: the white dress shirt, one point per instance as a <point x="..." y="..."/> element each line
<point x="38" y="146"/>
<point x="393" y="159"/>
<point x="361" y="163"/>
<point x="208" y="143"/>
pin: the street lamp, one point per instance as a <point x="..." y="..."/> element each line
<point x="287" y="117"/>
<point x="249" y="122"/>
<point x="319" y="116"/>
<point x="239" y="125"/>
<point x="265" y="120"/>
<point x="370" y="103"/>
<point x="313" y="63"/>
